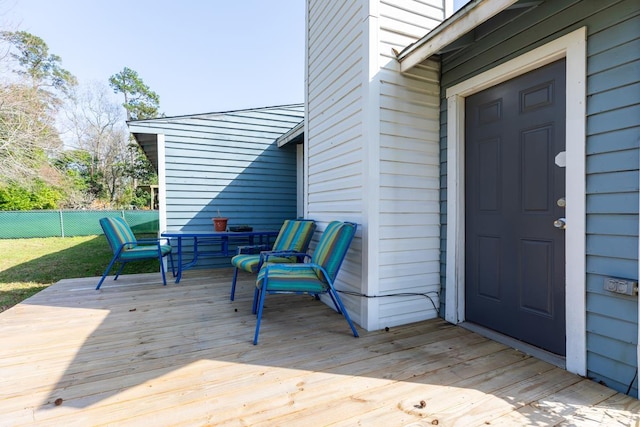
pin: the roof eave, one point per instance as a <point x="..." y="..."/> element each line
<point x="293" y="134"/>
<point x="466" y="19"/>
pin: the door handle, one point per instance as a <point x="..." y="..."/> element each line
<point x="560" y="223"/>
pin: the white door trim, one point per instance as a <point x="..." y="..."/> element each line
<point x="572" y="47"/>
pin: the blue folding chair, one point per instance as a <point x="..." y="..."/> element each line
<point x="294" y="236"/>
<point x="315" y="277"/>
<point x="127" y="248"/>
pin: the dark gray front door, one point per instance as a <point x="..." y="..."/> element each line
<point x="515" y="256"/>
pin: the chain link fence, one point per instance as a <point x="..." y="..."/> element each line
<point x="25" y="224"/>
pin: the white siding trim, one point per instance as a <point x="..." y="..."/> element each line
<point x="576" y="304"/>
<point x="371" y="179"/>
<point x="162" y="182"/>
<point x="572" y="47"/>
<point x="305" y="139"/>
<point x="448" y="8"/>
<point x="454" y="295"/>
<point x="162" y="188"/>
<point x="300" y="181"/>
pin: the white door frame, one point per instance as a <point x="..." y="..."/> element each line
<point x="572" y="47"/>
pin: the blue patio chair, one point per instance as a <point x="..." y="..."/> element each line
<point x="127" y="248"/>
<point x="294" y="236"/>
<point x="315" y="277"/>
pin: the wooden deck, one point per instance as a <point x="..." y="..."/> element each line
<point x="138" y="353"/>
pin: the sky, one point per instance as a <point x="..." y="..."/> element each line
<point x="199" y="56"/>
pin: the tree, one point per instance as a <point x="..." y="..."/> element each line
<point x="42" y="196"/>
<point x="139" y="101"/>
<point x="34" y="61"/>
<point x="27" y="109"/>
<point x="27" y="133"/>
<point x="83" y="188"/>
<point x="28" y="106"/>
<point x="98" y="126"/>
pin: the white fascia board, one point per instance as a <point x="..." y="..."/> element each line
<point x="294" y="133"/>
<point x="450" y="30"/>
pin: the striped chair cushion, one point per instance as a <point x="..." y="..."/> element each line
<point x="291" y="278"/>
<point x="294" y="235"/>
<point x="333" y="246"/>
<point x="142" y="252"/>
<point x="117" y="232"/>
<point x="250" y="262"/>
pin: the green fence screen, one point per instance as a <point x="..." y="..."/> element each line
<point x="24" y="224"/>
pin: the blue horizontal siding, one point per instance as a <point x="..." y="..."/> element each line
<point x="618" y="375"/>
<point x="618" y="139"/>
<point x="623" y="75"/>
<point x="613" y="157"/>
<point x="624" y="160"/>
<point x="228" y="162"/>
<point x="620" y="118"/>
<point x="616" y="306"/>
<point x="623" y="247"/>
<point x="616" y="267"/>
<point x="624" y="31"/>
<point x="615" y="98"/>
<point x="613" y="182"/>
<point x="222" y="165"/>
<point x="625" y="354"/>
<point x="613" y="224"/>
<point x="613" y="55"/>
<point x="617" y="203"/>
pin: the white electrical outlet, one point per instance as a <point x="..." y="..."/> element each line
<point x="620" y="286"/>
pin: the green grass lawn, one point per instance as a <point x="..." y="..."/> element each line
<point x="29" y="265"/>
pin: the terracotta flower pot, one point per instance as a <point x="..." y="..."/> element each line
<point x="220" y="224"/>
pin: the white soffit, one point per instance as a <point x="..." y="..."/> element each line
<point x="466" y="19"/>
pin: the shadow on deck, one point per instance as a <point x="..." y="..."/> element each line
<point x="136" y="352"/>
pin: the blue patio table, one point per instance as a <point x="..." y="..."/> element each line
<point x="199" y="237"/>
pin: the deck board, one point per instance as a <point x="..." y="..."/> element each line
<point x="139" y="353"/>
